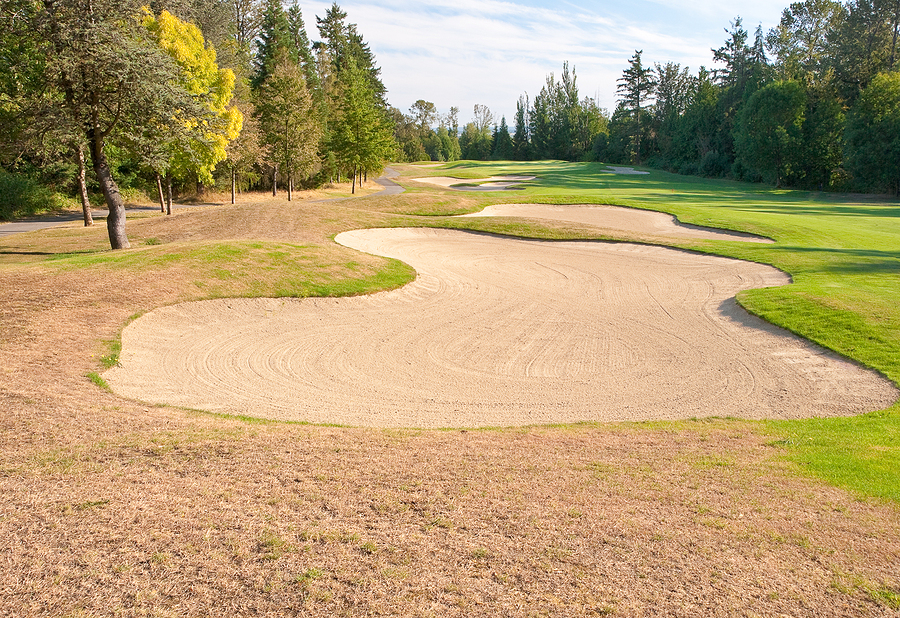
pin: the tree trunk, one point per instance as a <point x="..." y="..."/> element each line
<point x="353" y="183"/>
<point x="82" y="189"/>
<point x="168" y="194"/>
<point x="896" y="26"/>
<point x="115" y="221"/>
<point x="232" y="183"/>
<point x="274" y="181"/>
<point x="159" y="192"/>
<point x="290" y="180"/>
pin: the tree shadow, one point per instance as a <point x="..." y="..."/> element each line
<point x="851" y="260"/>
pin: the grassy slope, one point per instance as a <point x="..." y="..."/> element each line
<point x="843" y="253"/>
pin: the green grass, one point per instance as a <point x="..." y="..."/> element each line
<point x="248" y="268"/>
<point x="98" y="381"/>
<point x="843" y="253"/>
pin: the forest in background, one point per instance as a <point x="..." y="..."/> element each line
<point x="814" y="103"/>
<point x="100" y="97"/>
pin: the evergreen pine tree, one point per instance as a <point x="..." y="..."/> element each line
<point x="636" y="85"/>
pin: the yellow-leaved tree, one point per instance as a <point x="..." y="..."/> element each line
<point x="202" y="140"/>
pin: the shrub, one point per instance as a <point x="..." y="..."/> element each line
<point x="21" y="196"/>
<point x="688" y="168"/>
<point x="713" y="164"/>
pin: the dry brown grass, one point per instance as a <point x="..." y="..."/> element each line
<point x="111" y="508"/>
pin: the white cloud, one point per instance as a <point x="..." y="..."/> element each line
<point x="463" y="52"/>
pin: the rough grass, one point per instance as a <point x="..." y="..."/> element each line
<point x="114" y="508"/>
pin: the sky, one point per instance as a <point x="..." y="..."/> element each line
<point x="489" y="52"/>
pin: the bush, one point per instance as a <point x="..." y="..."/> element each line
<point x="688" y="168"/>
<point x="21" y="196"/>
<point x="713" y="164"/>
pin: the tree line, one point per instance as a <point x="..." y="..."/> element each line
<point x="813" y="103"/>
<point x="556" y="124"/>
<point x="104" y="96"/>
<point x="184" y="92"/>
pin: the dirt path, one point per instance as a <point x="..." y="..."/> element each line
<point x="497" y="331"/>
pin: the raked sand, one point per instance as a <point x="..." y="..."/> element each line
<point x="497" y="331"/>
<point x="648" y="222"/>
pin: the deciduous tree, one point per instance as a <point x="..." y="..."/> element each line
<point x="769" y="129"/>
<point x="873" y="134"/>
<point x="103" y="75"/>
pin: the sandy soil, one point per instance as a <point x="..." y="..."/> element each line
<point x="492" y="183"/>
<point x="616" y="218"/>
<point x="497" y="331"/>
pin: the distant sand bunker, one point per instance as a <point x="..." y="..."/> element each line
<point x="646" y="222"/>
<point x="623" y="170"/>
<point x="497" y="331"/>
<point x="492" y="183"/>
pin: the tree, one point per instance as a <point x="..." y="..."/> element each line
<point x="673" y="95"/>
<point x="863" y="43"/>
<point x="424" y="114"/>
<point x="873" y="135"/>
<point x="290" y="128"/>
<point x="799" y="42"/>
<point x="475" y="144"/>
<point x="769" y="129"/>
<point x="341" y="42"/>
<point x="823" y="137"/>
<point x="205" y="134"/>
<point x="245" y="151"/>
<point x="103" y="76"/>
<point x="520" y="137"/>
<point x="246" y="19"/>
<point x="553" y="115"/>
<point x="695" y="137"/>
<point x="482" y="117"/>
<point x="503" y="146"/>
<point x="636" y="86"/>
<point x="746" y="69"/>
<point x="362" y="138"/>
<point x="274" y="36"/>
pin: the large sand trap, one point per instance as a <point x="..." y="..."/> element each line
<point x="615" y="218"/>
<point x="492" y="183"/>
<point x="497" y="331"/>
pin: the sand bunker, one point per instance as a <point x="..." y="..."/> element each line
<point x="497" y="331"/>
<point x="492" y="183"/>
<point x="613" y="169"/>
<point x="645" y="222"/>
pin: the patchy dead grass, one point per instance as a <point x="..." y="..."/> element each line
<point x="112" y="508"/>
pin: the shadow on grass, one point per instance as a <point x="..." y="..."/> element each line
<point x="855" y="261"/>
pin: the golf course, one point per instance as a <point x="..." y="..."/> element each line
<point x="512" y="389"/>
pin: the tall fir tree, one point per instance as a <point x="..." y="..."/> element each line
<point x="636" y="86"/>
